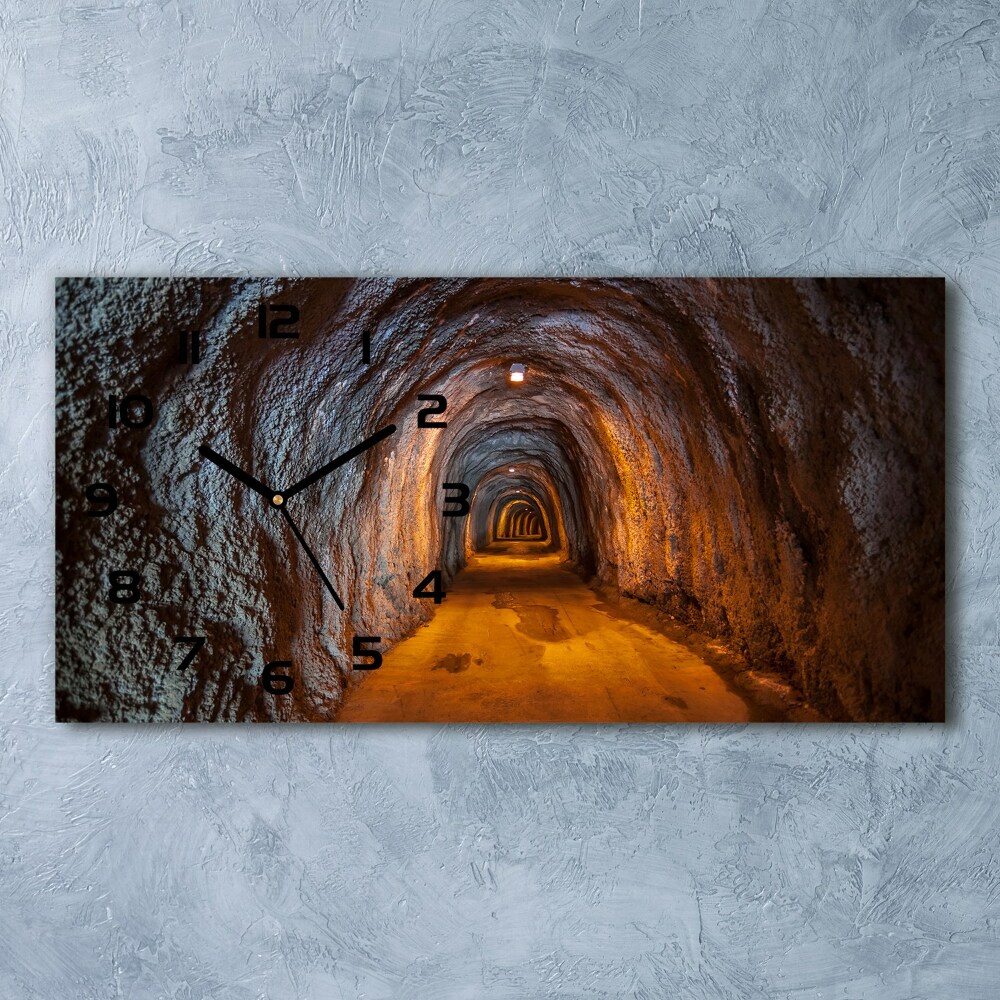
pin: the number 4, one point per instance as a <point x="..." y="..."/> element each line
<point x="433" y="581"/>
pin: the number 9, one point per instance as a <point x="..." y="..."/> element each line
<point x="105" y="496"/>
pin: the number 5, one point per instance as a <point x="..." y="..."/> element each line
<point x="360" y="641"/>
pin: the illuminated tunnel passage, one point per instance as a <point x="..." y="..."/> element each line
<point x="515" y="504"/>
<point x="519" y="519"/>
<point x="669" y="456"/>
<point x="518" y="515"/>
<point x="521" y="638"/>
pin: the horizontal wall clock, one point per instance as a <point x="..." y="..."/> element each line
<point x="496" y="500"/>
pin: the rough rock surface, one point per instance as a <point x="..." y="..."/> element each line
<point x="762" y="460"/>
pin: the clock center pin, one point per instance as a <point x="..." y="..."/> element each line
<point x="277" y="499"/>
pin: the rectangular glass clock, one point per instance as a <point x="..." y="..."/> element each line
<point x="500" y="500"/>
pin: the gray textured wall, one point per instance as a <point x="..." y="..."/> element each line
<point x="463" y="137"/>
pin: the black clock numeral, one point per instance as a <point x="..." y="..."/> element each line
<point x="277" y="320"/>
<point x="189" y="347"/>
<point x="366" y="347"/>
<point x="105" y="496"/>
<point x="275" y="682"/>
<point x="456" y="506"/>
<point x="196" y="642"/>
<point x="440" y="405"/>
<point x="432" y="580"/>
<point x="360" y="641"/>
<point x="123" y="586"/>
<point x="134" y="410"/>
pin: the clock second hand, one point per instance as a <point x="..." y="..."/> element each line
<point x="312" y="558"/>
<point x="278" y="500"/>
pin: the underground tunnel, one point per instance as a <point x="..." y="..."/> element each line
<point x="500" y="499"/>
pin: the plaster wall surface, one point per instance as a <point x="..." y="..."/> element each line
<point x="458" y="139"/>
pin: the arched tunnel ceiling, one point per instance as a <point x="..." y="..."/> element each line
<point x="677" y="436"/>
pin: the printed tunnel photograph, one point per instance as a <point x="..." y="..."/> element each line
<point x="540" y="500"/>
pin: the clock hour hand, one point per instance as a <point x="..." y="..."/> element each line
<point x="312" y="558"/>
<point x="237" y="472"/>
<point x="339" y="461"/>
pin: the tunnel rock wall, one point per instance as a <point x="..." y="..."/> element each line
<point x="755" y="458"/>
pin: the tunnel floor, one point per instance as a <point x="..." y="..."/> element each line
<point x="520" y="637"/>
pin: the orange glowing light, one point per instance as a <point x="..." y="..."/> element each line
<point x="517" y="373"/>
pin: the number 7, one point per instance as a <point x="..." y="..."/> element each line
<point x="197" y="641"/>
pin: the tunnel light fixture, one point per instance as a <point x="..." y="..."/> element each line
<point x="510" y="468"/>
<point x="517" y="373"/>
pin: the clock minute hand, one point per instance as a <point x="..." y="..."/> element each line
<point x="339" y="461"/>
<point x="236" y="472"/>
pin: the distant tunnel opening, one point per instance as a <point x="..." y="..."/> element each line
<point x="518" y="516"/>
<point x="520" y="506"/>
<point x="518" y="521"/>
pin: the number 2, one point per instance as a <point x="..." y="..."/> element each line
<point x="440" y="405"/>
